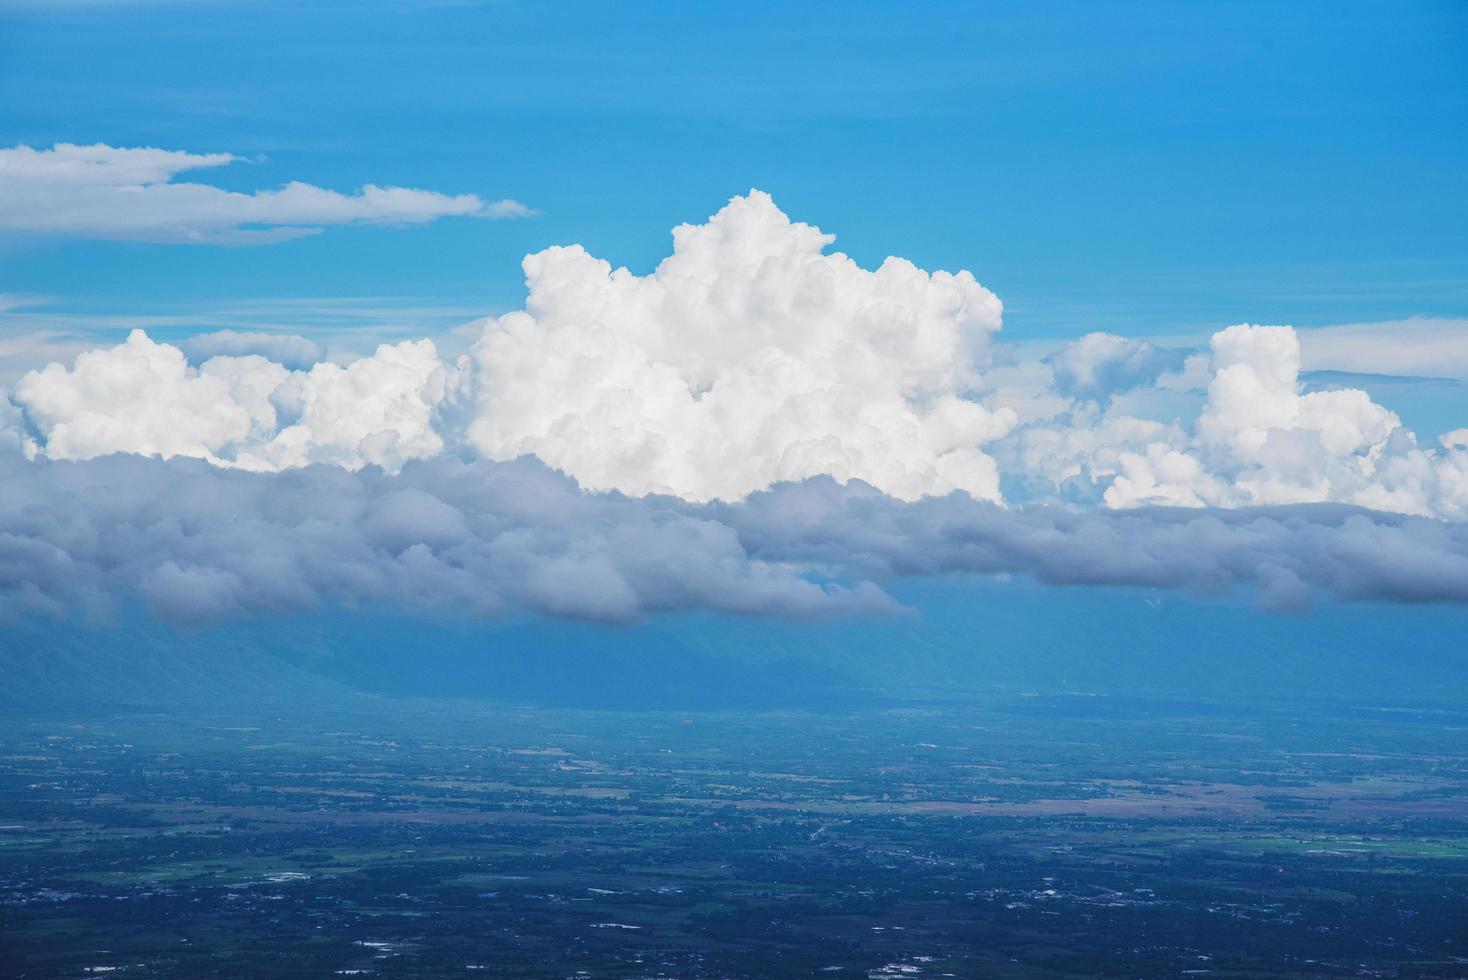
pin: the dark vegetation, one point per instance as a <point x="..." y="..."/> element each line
<point x="1007" y="836"/>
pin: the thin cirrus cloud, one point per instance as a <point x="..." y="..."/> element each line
<point x="290" y="351"/>
<point x="130" y="194"/>
<point x="1433" y="347"/>
<point x="758" y="426"/>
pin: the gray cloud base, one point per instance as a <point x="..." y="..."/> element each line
<point x="197" y="543"/>
<point x="1287" y="555"/>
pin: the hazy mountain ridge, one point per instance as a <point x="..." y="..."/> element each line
<point x="962" y="639"/>
<point x="140" y="664"/>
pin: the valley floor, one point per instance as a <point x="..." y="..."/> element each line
<point x="1014" y="837"/>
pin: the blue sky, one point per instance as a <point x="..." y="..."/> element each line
<point x="1143" y="168"/>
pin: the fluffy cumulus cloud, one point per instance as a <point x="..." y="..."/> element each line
<point x="1233" y="426"/>
<point x="1261" y="439"/>
<point x="129" y="193"/>
<point x="756" y="419"/>
<point x="750" y="355"/>
<point x="144" y="397"/>
<point x="1101" y="364"/>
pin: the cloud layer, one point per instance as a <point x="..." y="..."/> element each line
<point x="198" y="543"/>
<point x="759" y="426"/>
<point x="1259" y="439"/>
<point x="291" y="352"/>
<point x="1284" y="556"/>
<point x="1424" y="346"/>
<point x="129" y="193"/>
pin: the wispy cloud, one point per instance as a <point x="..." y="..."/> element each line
<point x="35" y="331"/>
<point x="290" y="351"/>
<point x="122" y="193"/>
<point x="20" y="301"/>
<point x="1430" y="347"/>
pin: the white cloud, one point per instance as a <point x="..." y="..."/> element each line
<point x="1261" y="441"/>
<point x="144" y="397"/>
<point x="19" y="301"/>
<point x="13" y="438"/>
<point x="101" y="191"/>
<point x="749" y="356"/>
<point x="1254" y="401"/>
<point x="753" y="356"/>
<point x="378" y="410"/>
<point x="735" y="381"/>
<point x="137" y="397"/>
<point x="288" y="350"/>
<point x="1420" y="346"/>
<point x="1081" y="453"/>
<point x="1101" y="364"/>
<point x="32" y="349"/>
